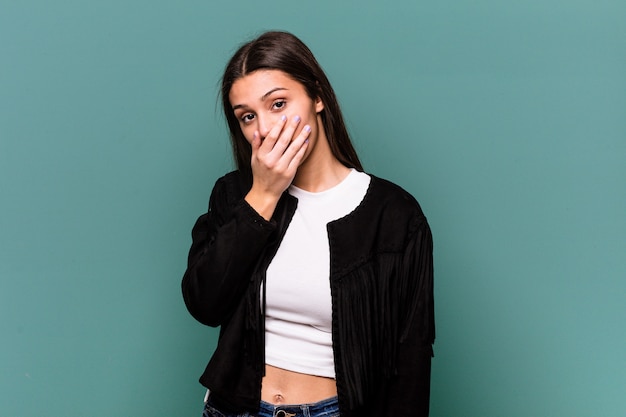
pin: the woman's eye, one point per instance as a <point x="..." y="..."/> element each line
<point x="247" y="118"/>
<point x="279" y="104"/>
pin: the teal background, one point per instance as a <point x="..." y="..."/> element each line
<point x="507" y="120"/>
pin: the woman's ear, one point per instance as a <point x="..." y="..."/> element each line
<point x="319" y="105"/>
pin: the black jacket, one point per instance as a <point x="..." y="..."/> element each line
<point x="381" y="277"/>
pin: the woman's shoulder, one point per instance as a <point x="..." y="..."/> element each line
<point x="229" y="189"/>
<point x="389" y="196"/>
<point x="387" y="218"/>
<point x="231" y="179"/>
<point x="232" y="182"/>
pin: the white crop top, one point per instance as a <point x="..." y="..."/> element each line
<point x="298" y="303"/>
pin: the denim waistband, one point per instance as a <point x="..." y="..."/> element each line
<point x="325" y="408"/>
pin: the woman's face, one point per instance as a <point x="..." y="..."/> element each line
<point x="262" y="97"/>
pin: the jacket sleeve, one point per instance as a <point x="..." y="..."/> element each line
<point x="408" y="391"/>
<point x="226" y="244"/>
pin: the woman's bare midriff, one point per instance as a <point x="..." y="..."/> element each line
<point x="286" y="387"/>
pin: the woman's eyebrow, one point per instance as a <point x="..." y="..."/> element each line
<point x="266" y="95"/>
<point x="263" y="97"/>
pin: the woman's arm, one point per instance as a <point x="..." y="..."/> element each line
<point x="408" y="391"/>
<point x="227" y="242"/>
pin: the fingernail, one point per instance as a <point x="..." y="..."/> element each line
<point x="307" y="128"/>
<point x="283" y="117"/>
<point x="296" y="119"/>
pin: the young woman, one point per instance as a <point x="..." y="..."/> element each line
<point x="319" y="275"/>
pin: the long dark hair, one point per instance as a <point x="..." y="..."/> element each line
<point x="285" y="52"/>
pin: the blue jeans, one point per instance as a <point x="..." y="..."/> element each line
<point x="324" y="408"/>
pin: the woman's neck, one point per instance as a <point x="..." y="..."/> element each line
<point x="321" y="170"/>
<point x="319" y="177"/>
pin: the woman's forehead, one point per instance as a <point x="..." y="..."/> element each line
<point x="258" y="85"/>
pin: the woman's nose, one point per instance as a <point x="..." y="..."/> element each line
<point x="264" y="126"/>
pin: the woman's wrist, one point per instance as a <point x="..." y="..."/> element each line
<point x="263" y="203"/>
